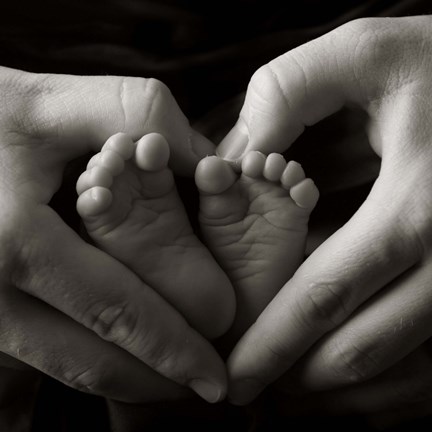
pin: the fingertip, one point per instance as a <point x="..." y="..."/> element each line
<point x="234" y="145"/>
<point x="208" y="390"/>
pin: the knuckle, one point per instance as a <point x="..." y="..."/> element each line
<point x="94" y="379"/>
<point x="353" y="363"/>
<point x="115" y="323"/>
<point x="323" y="304"/>
<point x="266" y="85"/>
<point x="153" y="89"/>
<point x="362" y="25"/>
<point x="149" y="97"/>
<point x="122" y="325"/>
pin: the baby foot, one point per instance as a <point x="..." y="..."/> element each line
<point x="255" y="225"/>
<point x="131" y="210"/>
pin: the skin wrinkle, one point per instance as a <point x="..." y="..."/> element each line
<point x="292" y="58"/>
<point x="328" y="318"/>
<point x="276" y="80"/>
<point x="123" y="103"/>
<point x="152" y="93"/>
<point x="116" y="324"/>
<point x="360" y="374"/>
<point x="393" y="192"/>
<point x="54" y="250"/>
<point x="85" y="380"/>
<point x="26" y="265"/>
<point x="415" y="247"/>
<point x="279" y="352"/>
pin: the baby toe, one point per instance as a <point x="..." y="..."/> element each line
<point x="121" y="144"/>
<point x="152" y="152"/>
<point x="94" y="201"/>
<point x="93" y="161"/>
<point x="305" y="194"/>
<point x="253" y="164"/>
<point x="96" y="176"/>
<point x="213" y="175"/>
<point x="274" y="167"/>
<point x="292" y="175"/>
<point x="111" y="161"/>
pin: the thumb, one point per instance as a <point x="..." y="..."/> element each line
<point x="298" y="89"/>
<point x="80" y="113"/>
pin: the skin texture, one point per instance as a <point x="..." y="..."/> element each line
<point x="140" y="220"/>
<point x="254" y="227"/>
<point x="363" y="298"/>
<point x="115" y="342"/>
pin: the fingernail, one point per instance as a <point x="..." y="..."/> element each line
<point x="234" y="144"/>
<point x="207" y="390"/>
<point x="244" y="391"/>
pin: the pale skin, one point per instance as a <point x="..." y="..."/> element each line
<point x="384" y="251"/>
<point x="255" y="225"/>
<point x="115" y="345"/>
<point x="131" y="209"/>
<point x="47" y="120"/>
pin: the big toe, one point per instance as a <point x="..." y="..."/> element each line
<point x="213" y="175"/>
<point x="152" y="152"/>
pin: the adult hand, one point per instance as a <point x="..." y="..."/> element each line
<point x="400" y="393"/>
<point x="364" y="295"/>
<point x="67" y="308"/>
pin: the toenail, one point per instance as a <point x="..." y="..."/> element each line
<point x="292" y="175"/>
<point x="274" y="167"/>
<point x="253" y="164"/>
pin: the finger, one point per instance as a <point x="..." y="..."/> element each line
<point x="99" y="293"/>
<point x="47" y="340"/>
<point x="357" y="63"/>
<point x="387" y="236"/>
<point x="381" y="333"/>
<point x="363" y="256"/>
<point x="78" y="114"/>
<point x="294" y="90"/>
<point x="406" y="385"/>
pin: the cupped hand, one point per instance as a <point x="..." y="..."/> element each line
<point x="363" y="298"/>
<point x="66" y="308"/>
<point x="401" y="393"/>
